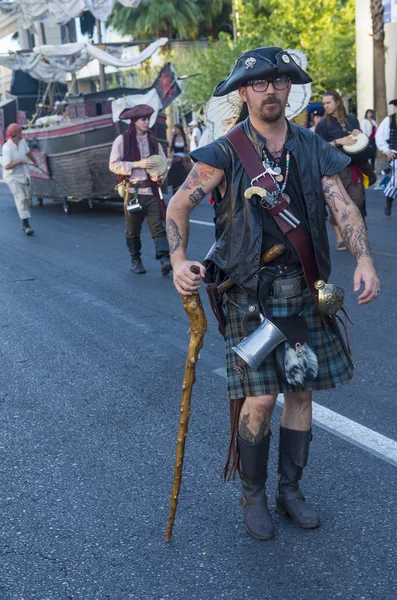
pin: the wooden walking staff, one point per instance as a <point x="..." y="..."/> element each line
<point x="198" y="327"/>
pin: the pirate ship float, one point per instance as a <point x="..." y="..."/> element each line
<point x="73" y="151"/>
<point x="73" y="156"/>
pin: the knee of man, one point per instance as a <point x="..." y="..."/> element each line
<point x="299" y="397"/>
<point x="263" y="404"/>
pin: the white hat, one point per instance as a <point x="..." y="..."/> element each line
<point x="193" y="123"/>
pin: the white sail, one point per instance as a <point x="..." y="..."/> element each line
<point x="60" y="12"/>
<point x="52" y="63"/>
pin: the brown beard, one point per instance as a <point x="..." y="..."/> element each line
<point x="274" y="114"/>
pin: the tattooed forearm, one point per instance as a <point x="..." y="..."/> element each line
<point x="357" y="239"/>
<point x="197" y="196"/>
<point x="173" y="235"/>
<point x="198" y="175"/>
<point x="345" y="215"/>
<point x="247" y="435"/>
<point x="334" y="192"/>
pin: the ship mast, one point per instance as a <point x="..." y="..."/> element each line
<point x="102" y="79"/>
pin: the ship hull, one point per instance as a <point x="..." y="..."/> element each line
<point x="74" y="160"/>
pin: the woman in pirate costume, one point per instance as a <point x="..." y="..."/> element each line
<point x="130" y="160"/>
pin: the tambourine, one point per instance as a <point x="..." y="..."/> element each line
<point x="161" y="165"/>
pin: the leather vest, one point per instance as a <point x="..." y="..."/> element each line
<point x="238" y="223"/>
<point x="393" y="132"/>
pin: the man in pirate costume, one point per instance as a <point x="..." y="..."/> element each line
<point x="336" y="128"/>
<point x="386" y="142"/>
<point x="303" y="167"/>
<point x="129" y="159"/>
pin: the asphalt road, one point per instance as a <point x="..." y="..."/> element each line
<point x="91" y="364"/>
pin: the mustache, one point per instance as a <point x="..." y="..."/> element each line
<point x="273" y="100"/>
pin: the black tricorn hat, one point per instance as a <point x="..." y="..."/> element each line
<point x="393" y="102"/>
<point x="262" y="63"/>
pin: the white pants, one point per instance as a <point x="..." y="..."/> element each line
<point x="21" y="193"/>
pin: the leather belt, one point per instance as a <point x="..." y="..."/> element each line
<point x="288" y="287"/>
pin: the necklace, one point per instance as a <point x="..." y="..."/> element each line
<point x="343" y="126"/>
<point x="276" y="170"/>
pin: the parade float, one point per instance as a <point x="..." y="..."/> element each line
<point x="72" y="146"/>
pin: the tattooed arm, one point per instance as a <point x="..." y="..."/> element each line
<point x="354" y="232"/>
<point x="200" y="181"/>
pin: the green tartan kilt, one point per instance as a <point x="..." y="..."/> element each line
<point x="334" y="365"/>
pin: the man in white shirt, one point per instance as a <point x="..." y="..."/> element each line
<point x="386" y="141"/>
<point x="129" y="159"/>
<point x="195" y="135"/>
<point x="16" y="157"/>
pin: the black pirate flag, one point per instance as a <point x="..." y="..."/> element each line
<point x="166" y="85"/>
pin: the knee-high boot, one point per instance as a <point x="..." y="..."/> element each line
<point x="257" y="518"/>
<point x="134" y="246"/>
<point x="163" y="254"/>
<point x="293" y="456"/>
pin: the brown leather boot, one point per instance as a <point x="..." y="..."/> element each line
<point x="137" y="265"/>
<point x="293" y="455"/>
<point x="257" y="518"/>
<point x="165" y="263"/>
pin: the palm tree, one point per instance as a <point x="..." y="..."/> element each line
<point x="378" y="32"/>
<point x="157" y="18"/>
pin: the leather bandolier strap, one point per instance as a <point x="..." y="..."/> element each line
<point x="255" y="170"/>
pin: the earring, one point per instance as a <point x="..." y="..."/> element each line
<point x="288" y="105"/>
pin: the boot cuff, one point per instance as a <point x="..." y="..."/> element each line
<point x="296" y="444"/>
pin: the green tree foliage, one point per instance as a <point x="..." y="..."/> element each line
<point x="157" y="18"/>
<point x="187" y="19"/>
<point x="213" y="64"/>
<point x="323" y="29"/>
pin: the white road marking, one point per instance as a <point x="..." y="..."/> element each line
<point x="367" y="439"/>
<point x="202" y="223"/>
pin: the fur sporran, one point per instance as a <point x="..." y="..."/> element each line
<point x="295" y="360"/>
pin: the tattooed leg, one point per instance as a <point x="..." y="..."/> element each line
<point x="255" y="418"/>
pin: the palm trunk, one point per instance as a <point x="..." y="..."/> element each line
<point x="378" y="31"/>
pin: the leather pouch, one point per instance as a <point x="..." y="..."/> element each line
<point x="120" y="189"/>
<point x="216" y="304"/>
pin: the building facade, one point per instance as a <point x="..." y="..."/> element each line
<point x="365" y="52"/>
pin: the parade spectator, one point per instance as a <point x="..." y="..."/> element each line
<point x="178" y="153"/>
<point x="194" y="135"/>
<point x="369" y="126"/>
<point x="301" y="177"/>
<point x="316" y="115"/>
<point x="386" y="141"/>
<point x="129" y="159"/>
<point x="335" y="128"/>
<point x="16" y="157"/>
